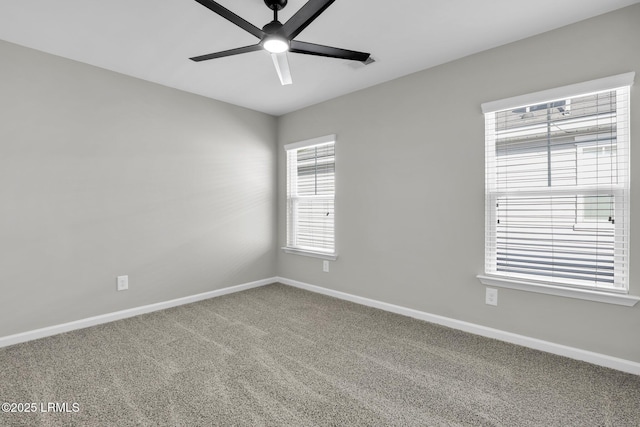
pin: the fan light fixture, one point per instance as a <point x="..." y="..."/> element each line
<point x="275" y="44"/>
<point x="278" y="38"/>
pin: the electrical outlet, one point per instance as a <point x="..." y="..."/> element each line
<point x="325" y="266"/>
<point x="122" y="283"/>
<point x="491" y="297"/>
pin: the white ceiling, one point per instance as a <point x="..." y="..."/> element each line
<point x="153" y="39"/>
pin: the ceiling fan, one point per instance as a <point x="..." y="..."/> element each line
<point x="278" y="39"/>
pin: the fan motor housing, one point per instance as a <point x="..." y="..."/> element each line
<point x="272" y="27"/>
<point x="275" y="4"/>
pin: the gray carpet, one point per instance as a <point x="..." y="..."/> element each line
<point x="278" y="355"/>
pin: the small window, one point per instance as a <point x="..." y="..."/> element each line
<point x="557" y="189"/>
<point x="311" y="196"/>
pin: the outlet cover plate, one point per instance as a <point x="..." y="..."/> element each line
<point x="491" y="297"/>
<point x="122" y="283"/>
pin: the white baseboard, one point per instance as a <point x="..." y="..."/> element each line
<point x="549" y="347"/>
<point x="546" y="346"/>
<point x="123" y="314"/>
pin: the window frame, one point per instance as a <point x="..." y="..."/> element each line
<point x="290" y="219"/>
<point x="555" y="286"/>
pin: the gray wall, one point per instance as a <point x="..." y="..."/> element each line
<point x="104" y="175"/>
<point x="410" y="185"/>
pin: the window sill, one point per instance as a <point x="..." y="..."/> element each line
<point x="303" y="252"/>
<point x="585" y="294"/>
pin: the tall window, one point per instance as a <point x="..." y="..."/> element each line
<point x="311" y="196"/>
<point x="557" y="187"/>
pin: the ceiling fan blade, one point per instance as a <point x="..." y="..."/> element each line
<point x="332" y="52"/>
<point x="232" y="17"/>
<point x="303" y="17"/>
<point x="281" y="63"/>
<point x="229" y="52"/>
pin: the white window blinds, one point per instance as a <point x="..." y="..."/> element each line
<point x="311" y="195"/>
<point x="557" y="190"/>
